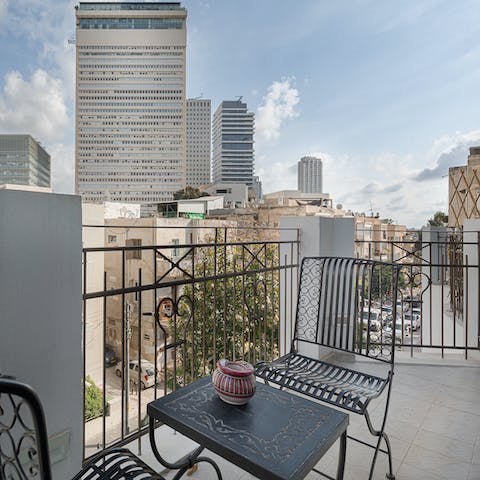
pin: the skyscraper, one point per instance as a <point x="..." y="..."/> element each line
<point x="310" y="175"/>
<point x="130" y="101"/>
<point x="233" y="127"/>
<point x="23" y="161"/>
<point x="199" y="121"/>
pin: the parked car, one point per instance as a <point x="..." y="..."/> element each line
<point x="417" y="311"/>
<point x="147" y="373"/>
<point x="412" y="320"/>
<point x="110" y="356"/>
<point x="371" y="318"/>
<point x="398" y="332"/>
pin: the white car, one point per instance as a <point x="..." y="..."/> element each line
<point x="398" y="332"/>
<point x="147" y="373"/>
<point x="412" y="320"/>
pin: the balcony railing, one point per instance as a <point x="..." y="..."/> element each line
<point x="440" y="286"/>
<point x="175" y="309"/>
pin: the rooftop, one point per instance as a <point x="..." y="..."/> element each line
<point x="130" y="6"/>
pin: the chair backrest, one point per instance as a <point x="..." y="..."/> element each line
<point x="340" y="305"/>
<point x="24" y="451"/>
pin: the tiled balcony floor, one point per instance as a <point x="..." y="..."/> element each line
<point x="434" y="427"/>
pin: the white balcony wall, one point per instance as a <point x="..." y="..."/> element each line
<point x="41" y="311"/>
<point x="471" y="236"/>
<point x="319" y="237"/>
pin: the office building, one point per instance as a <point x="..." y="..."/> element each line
<point x="130" y="101"/>
<point x="198" y="141"/>
<point x="233" y="154"/>
<point x="310" y="175"/>
<point x="23" y="161"/>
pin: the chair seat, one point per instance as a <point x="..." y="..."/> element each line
<point x="340" y="386"/>
<point x="118" y="464"/>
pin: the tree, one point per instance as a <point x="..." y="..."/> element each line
<point x="93" y="400"/>
<point x="382" y="282"/>
<point x="189" y="193"/>
<point x="439" y="219"/>
<point x="234" y="314"/>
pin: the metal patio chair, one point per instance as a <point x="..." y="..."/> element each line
<point x="24" y="452"/>
<point x="336" y="309"/>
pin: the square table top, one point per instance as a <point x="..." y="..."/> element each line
<point x="275" y="436"/>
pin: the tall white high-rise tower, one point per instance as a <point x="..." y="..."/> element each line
<point x="310" y="175"/>
<point x="199" y="122"/>
<point x="130" y="101"/>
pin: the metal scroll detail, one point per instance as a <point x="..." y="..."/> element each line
<point x="272" y="447"/>
<point x="18" y="442"/>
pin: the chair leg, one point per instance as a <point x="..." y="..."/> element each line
<point x="381" y="435"/>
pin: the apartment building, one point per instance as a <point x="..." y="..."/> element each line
<point x="464" y="190"/>
<point x="310" y="179"/>
<point x="130" y="101"/>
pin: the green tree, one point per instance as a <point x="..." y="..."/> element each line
<point x="382" y="282"/>
<point x="439" y="219"/>
<point x="93" y="399"/>
<point x="231" y="315"/>
<point x="189" y="193"/>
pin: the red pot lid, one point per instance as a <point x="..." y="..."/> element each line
<point x="235" y="369"/>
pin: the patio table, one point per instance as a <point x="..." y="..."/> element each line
<point x="275" y="436"/>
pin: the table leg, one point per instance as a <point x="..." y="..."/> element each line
<point x="189" y="463"/>
<point x="341" y="458"/>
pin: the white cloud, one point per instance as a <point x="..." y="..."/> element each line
<point x="389" y="183"/>
<point x="42" y="105"/>
<point x="278" y="105"/>
<point x="62" y="168"/>
<point x="276" y="176"/>
<point x="36" y="106"/>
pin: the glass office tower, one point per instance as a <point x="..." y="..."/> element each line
<point x="233" y="127"/>
<point x="23" y="161"/>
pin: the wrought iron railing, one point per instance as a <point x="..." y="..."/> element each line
<point x="440" y="288"/>
<point x="175" y="309"/>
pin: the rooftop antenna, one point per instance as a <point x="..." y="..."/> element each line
<point x="371" y="208"/>
<point x="239" y="98"/>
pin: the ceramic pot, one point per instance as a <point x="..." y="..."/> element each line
<point x="234" y="382"/>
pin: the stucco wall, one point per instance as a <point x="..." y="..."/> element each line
<point x="41" y="309"/>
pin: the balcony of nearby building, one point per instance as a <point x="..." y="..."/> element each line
<point x="195" y="293"/>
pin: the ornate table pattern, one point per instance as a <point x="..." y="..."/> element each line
<point x="277" y="435"/>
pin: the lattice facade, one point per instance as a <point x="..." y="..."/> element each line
<point x="464" y="190"/>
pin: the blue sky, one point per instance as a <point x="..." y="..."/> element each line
<point x="386" y="92"/>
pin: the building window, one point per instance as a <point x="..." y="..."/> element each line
<point x="133" y="254"/>
<point x="176" y="250"/>
<point x="112" y="239"/>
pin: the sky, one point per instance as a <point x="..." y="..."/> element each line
<point x="386" y="93"/>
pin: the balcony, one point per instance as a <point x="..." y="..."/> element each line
<point x="155" y="301"/>
<point x="434" y="426"/>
